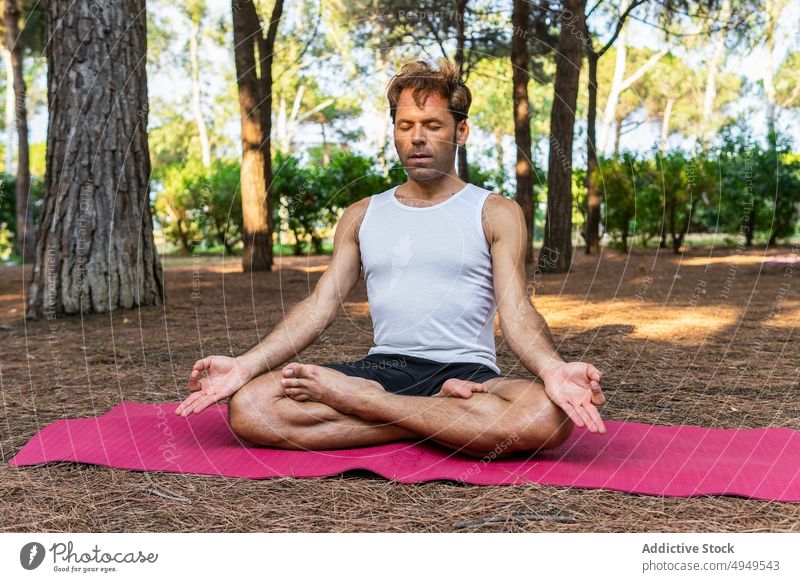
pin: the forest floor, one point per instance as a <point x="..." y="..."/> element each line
<point x="704" y="338"/>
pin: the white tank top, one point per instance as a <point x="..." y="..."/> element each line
<point x="429" y="280"/>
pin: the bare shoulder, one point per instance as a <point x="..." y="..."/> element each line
<point x="500" y="214"/>
<point x="352" y="217"/>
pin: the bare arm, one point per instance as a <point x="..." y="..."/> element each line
<point x="306" y="320"/>
<point x="523" y="327"/>
<point x="574" y="386"/>
<point x="302" y="324"/>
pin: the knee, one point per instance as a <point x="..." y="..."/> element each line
<point x="250" y="415"/>
<point x="240" y="412"/>
<point x="541" y="427"/>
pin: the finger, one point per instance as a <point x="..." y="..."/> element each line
<point x="594" y="373"/>
<point x="187" y="403"/>
<point x="573" y="414"/>
<point x="195" y="378"/>
<point x="596" y="419"/>
<point x="201" y="404"/>
<point x="202" y="365"/>
<point x="588" y="421"/>
<point x="598" y="398"/>
<point x="197" y="373"/>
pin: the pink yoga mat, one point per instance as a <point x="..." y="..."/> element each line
<point x="673" y="461"/>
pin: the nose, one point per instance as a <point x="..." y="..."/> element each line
<point x="418" y="138"/>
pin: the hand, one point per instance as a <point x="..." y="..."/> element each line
<point x="575" y="387"/>
<point x="224" y="376"/>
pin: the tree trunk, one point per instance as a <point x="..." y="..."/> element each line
<point x="298" y="244"/>
<point x="326" y="152"/>
<point x="610" y="110"/>
<point x="712" y="68"/>
<point x="26" y="244"/>
<point x="197" y="108"/>
<point x="751" y="226"/>
<point x="592" y="229"/>
<point x="687" y="223"/>
<point x="774" y="8"/>
<point x="9" y="116"/>
<point x="498" y="148"/>
<point x="556" y="255"/>
<point x="463" y="163"/>
<point x="256" y="235"/>
<point x="266" y="53"/>
<point x="94" y="249"/>
<point x="522" y="119"/>
<point x="665" y="120"/>
<point x="383" y="134"/>
<point x="461" y="9"/>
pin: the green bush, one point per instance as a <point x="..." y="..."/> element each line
<point x="741" y="188"/>
<point x="196" y="205"/>
<point x="8" y="209"/>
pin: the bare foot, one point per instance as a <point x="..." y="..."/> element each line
<point x="460" y="388"/>
<point x="303" y="382"/>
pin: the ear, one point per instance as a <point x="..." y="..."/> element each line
<point x="462" y="132"/>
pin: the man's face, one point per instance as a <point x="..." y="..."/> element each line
<point x="426" y="137"/>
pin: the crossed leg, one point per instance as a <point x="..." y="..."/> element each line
<point x="320" y="408"/>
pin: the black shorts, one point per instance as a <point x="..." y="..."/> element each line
<point x="410" y="375"/>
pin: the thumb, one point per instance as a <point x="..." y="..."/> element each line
<point x="598" y="398"/>
<point x="593" y="373"/>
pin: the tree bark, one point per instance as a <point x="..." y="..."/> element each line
<point x="9" y="113"/>
<point x="197" y="107"/>
<point x="556" y="255"/>
<point x="592" y="228"/>
<point x="266" y="50"/>
<point x="610" y="110"/>
<point x="520" y="19"/>
<point x="773" y="11"/>
<point x="257" y="232"/>
<point x="461" y="9"/>
<point x="499" y="151"/>
<point x="665" y="120"/>
<point x="712" y="68"/>
<point x="591" y="232"/>
<point x="94" y="249"/>
<point x="26" y="245"/>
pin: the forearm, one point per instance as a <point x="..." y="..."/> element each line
<point x="529" y="337"/>
<point x="301" y="326"/>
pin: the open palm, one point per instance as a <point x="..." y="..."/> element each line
<point x="575" y="388"/>
<point x="224" y="376"/>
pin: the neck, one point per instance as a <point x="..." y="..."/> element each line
<point x="447" y="184"/>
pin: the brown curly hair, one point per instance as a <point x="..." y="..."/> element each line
<point x="424" y="80"/>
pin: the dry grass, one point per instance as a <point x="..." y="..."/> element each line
<point x="670" y="355"/>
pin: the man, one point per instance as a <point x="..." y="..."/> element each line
<point x="440" y="257"/>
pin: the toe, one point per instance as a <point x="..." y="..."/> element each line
<point x="296" y="394"/>
<point x="298" y="370"/>
<point x="292" y="369"/>
<point x="461" y="388"/>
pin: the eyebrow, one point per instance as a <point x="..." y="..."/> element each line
<point x="426" y="120"/>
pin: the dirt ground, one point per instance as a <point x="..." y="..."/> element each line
<point x="706" y="338"/>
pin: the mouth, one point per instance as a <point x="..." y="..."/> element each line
<point x="419" y="157"/>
